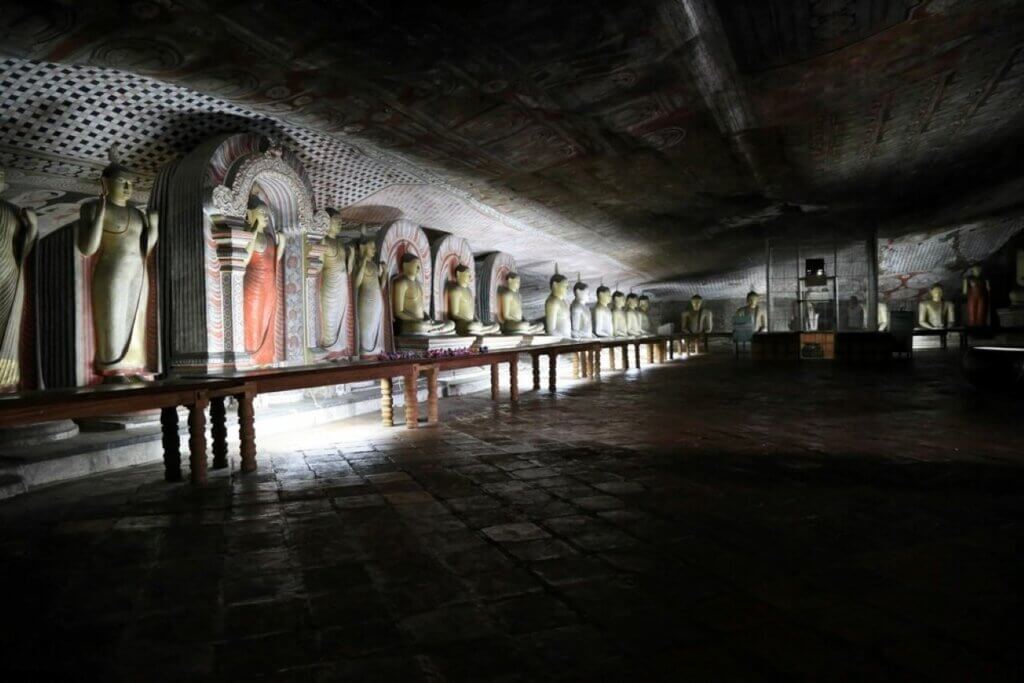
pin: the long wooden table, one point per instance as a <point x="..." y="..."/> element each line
<point x="210" y="391"/>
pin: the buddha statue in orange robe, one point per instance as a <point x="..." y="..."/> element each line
<point x="260" y="295"/>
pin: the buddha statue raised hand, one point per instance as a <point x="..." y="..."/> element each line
<point x="511" y="303"/>
<point x="120" y="238"/>
<point x="408" y="304"/>
<point x="462" y="307"/>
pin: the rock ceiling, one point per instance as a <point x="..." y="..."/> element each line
<point x="664" y="138"/>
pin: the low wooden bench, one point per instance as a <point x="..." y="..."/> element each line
<point x="431" y="367"/>
<point x="589" y="365"/>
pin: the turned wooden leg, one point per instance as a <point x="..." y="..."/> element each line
<point x="219" y="432"/>
<point x="387" y="406"/>
<point x="636" y="355"/>
<point x="552" y="371"/>
<point x="495" y="382"/>
<point x="432" y="396"/>
<point x="412" y="406"/>
<point x="172" y="443"/>
<point x="197" y="440"/>
<point x="597" y="362"/>
<point x="575" y="365"/>
<point x="625" y="356"/>
<point x="611" y="357"/>
<point x="535" y="357"/>
<point x="650" y="354"/>
<point x="247" y="431"/>
<point x="513" y="379"/>
<point x="585" y="363"/>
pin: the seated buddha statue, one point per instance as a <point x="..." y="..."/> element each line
<point x="619" y="315"/>
<point x="511" y="303"/>
<point x="462" y="307"/>
<point x="696" y="318"/>
<point x="579" y="312"/>
<point x="935" y="313"/>
<point x="754" y="312"/>
<point x="602" y="313"/>
<point x="557" y="321"/>
<point x="408" y="304"/>
<point x="643" y="309"/>
<point x="632" y="316"/>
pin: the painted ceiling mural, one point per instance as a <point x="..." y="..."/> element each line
<point x="655" y="141"/>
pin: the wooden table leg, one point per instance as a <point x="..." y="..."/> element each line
<point x="611" y="357"/>
<point x="552" y="372"/>
<point x="513" y="379"/>
<point x="585" y="363"/>
<point x="495" y="382"/>
<point x="247" y="431"/>
<point x="197" y="440"/>
<point x="535" y="357"/>
<point x="575" y="365"/>
<point x="432" y="396"/>
<point x="172" y="443"/>
<point x="671" y="349"/>
<point x="625" y="356"/>
<point x="597" y="362"/>
<point x="219" y="432"/>
<point x="387" y="404"/>
<point x="412" y="406"/>
<point x="636" y="355"/>
<point x="650" y="354"/>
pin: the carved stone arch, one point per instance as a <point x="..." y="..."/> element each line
<point x="450" y="252"/>
<point x="206" y="232"/>
<point x="492" y="275"/>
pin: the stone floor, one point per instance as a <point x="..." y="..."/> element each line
<point x="704" y="520"/>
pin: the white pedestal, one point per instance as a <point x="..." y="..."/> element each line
<point x="428" y="343"/>
<point x="498" y="342"/>
<point x="541" y="339"/>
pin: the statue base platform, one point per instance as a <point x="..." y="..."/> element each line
<point x="436" y="343"/>
<point x="39" y="433"/>
<point x="1011" y="317"/>
<point x="542" y="339"/>
<point x="499" y="342"/>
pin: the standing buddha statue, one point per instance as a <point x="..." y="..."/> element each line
<point x="17" y="237"/>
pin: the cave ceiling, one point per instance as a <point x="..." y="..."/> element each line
<point x="668" y="135"/>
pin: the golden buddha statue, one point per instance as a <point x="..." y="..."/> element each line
<point x="339" y="262"/>
<point x="602" y="313"/>
<point x="754" y="312"/>
<point x="120" y="239"/>
<point x="368" y="281"/>
<point x="619" y="324"/>
<point x="935" y="313"/>
<point x="408" y="304"/>
<point x="462" y="305"/>
<point x="632" y="316"/>
<point x="18" y="232"/>
<point x="557" y="322"/>
<point x="511" y="306"/>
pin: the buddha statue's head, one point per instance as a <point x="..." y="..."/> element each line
<point x="631" y="301"/>
<point x="580" y="292"/>
<point x="117" y="183"/>
<point x="257" y="215"/>
<point x="604" y="295"/>
<point x="644" y="303"/>
<point x="512" y="282"/>
<point x="753" y="299"/>
<point x="463" y="275"/>
<point x="976" y="270"/>
<point x="367" y="248"/>
<point x="619" y="299"/>
<point x="559" y="285"/>
<point x="411" y="265"/>
<point x="936" y="293"/>
<point x="335" y="227"/>
<point x="696" y="301"/>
